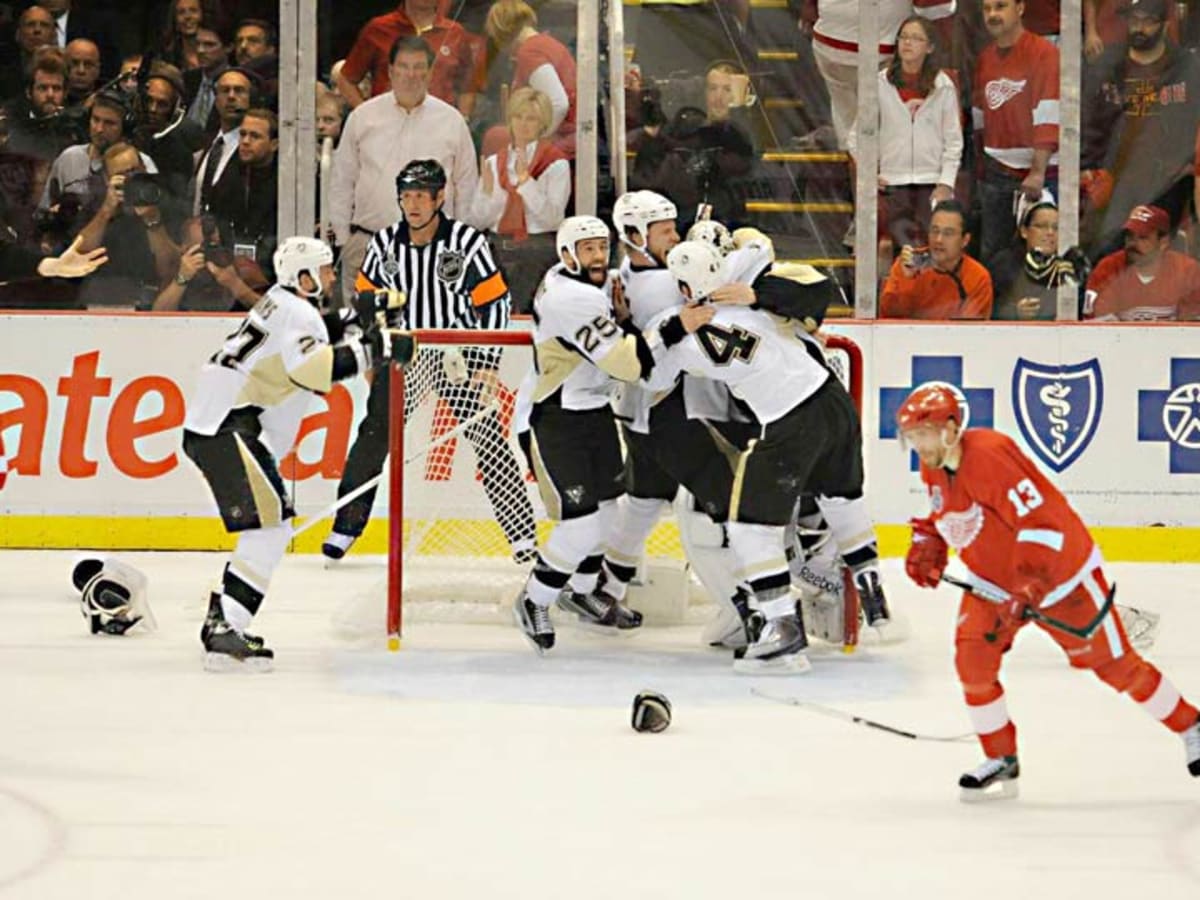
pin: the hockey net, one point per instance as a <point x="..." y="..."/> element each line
<point x="461" y="488"/>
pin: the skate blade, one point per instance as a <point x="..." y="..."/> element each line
<point x="538" y="648"/>
<point x="1000" y="790"/>
<point x="792" y="664"/>
<point x="223" y="662"/>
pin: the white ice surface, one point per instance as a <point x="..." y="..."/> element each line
<point x="466" y="767"/>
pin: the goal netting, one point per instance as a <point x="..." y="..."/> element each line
<point x="459" y="484"/>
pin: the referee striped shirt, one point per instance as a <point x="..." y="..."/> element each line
<point x="451" y="282"/>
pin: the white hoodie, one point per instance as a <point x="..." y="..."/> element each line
<point x="925" y="149"/>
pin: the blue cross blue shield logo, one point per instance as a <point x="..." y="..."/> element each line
<point x="1057" y="408"/>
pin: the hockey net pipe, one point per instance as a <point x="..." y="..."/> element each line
<point x="460" y="485"/>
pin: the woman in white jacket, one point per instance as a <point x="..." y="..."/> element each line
<point x="920" y="135"/>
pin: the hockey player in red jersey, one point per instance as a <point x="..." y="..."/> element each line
<point x="1033" y="559"/>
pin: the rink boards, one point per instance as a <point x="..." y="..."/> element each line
<point x="91" y="411"/>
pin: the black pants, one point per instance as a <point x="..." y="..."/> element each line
<point x="503" y="481"/>
<point x="814" y="449"/>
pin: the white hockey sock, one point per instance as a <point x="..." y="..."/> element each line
<point x="583" y="580"/>
<point x="635" y="519"/>
<point x="850" y="522"/>
<point x="570" y="543"/>
<point x="759" y="550"/>
<point x="248" y="574"/>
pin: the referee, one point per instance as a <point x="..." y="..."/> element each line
<point x="451" y="281"/>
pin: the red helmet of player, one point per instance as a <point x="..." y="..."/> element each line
<point x="927" y="409"/>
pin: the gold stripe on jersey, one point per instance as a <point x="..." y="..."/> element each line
<point x="315" y="373"/>
<point x="739" y="477"/>
<point x="548" y="492"/>
<point x="267" y="384"/>
<point x="555" y="363"/>
<point x="621" y="362"/>
<point x="266" y="501"/>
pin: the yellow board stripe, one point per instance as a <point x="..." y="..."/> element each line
<point x="1126" y="544"/>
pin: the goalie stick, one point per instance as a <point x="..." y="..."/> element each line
<point x="832" y="713"/>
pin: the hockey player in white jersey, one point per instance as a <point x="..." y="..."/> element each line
<point x="244" y="416"/>
<point x="580" y="352"/>
<point x="808" y="438"/>
<point x="825" y="532"/>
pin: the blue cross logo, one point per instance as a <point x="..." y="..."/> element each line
<point x="1173" y="416"/>
<point x="933" y="368"/>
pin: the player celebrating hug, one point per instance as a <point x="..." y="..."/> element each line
<point x="1032" y="557"/>
<point x="244" y="416"/>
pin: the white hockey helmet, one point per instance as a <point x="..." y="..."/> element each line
<point x="698" y="265"/>
<point x="296" y="255"/>
<point x="710" y="231"/>
<point x="639" y="210"/>
<point x="575" y="229"/>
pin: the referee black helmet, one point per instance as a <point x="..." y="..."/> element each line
<point x="421" y="175"/>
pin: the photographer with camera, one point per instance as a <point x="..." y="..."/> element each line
<point x="142" y="256"/>
<point x="209" y="278"/>
<point x="941" y="281"/>
<point x="79" y="170"/>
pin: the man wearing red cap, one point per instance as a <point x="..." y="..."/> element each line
<point x="1147" y="281"/>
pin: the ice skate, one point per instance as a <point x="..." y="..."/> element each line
<point x="1191" y="743"/>
<point x="778" y="649"/>
<point x="534" y="622"/>
<point x="596" y="610"/>
<point x="228" y="651"/>
<point x="874" y="603"/>
<point x="336" y="546"/>
<point x="628" y="618"/>
<point x="216" y="615"/>
<point x="993" y="779"/>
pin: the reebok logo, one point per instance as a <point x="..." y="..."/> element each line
<point x="1000" y="91"/>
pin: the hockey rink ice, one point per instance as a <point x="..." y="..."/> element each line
<point x="466" y="767"/>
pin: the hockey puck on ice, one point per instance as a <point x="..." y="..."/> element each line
<point x="651" y="712"/>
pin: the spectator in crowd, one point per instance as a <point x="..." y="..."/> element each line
<point x="178" y="42"/>
<point x="141" y="255"/>
<point x="35" y="28"/>
<point x="459" y="67"/>
<point x="127" y="74"/>
<point x="920" y="135"/>
<point x="200" y="83"/>
<point x="523" y="196"/>
<point x="243" y="198"/>
<point x="540" y="61"/>
<point x="941" y="282"/>
<point x="702" y="156"/>
<point x="170" y="139"/>
<point x="255" y="42"/>
<point x="1104" y="25"/>
<point x="835" y="46"/>
<point x="234" y="92"/>
<point x="1139" y="125"/>
<point x="209" y="277"/>
<point x="36" y="127"/>
<point x="1026" y="276"/>
<point x="1015" y="110"/>
<point x="1147" y="281"/>
<point x="83" y="70"/>
<point x="79" y="171"/>
<point x="383" y="135"/>
<point x="73" y="20"/>
<point x="331" y="114"/>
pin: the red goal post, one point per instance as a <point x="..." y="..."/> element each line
<point x="445" y="551"/>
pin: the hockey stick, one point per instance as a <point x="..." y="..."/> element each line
<point x="491" y="407"/>
<point x="332" y="508"/>
<point x="830" y="712"/>
<point x="1083" y="632"/>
